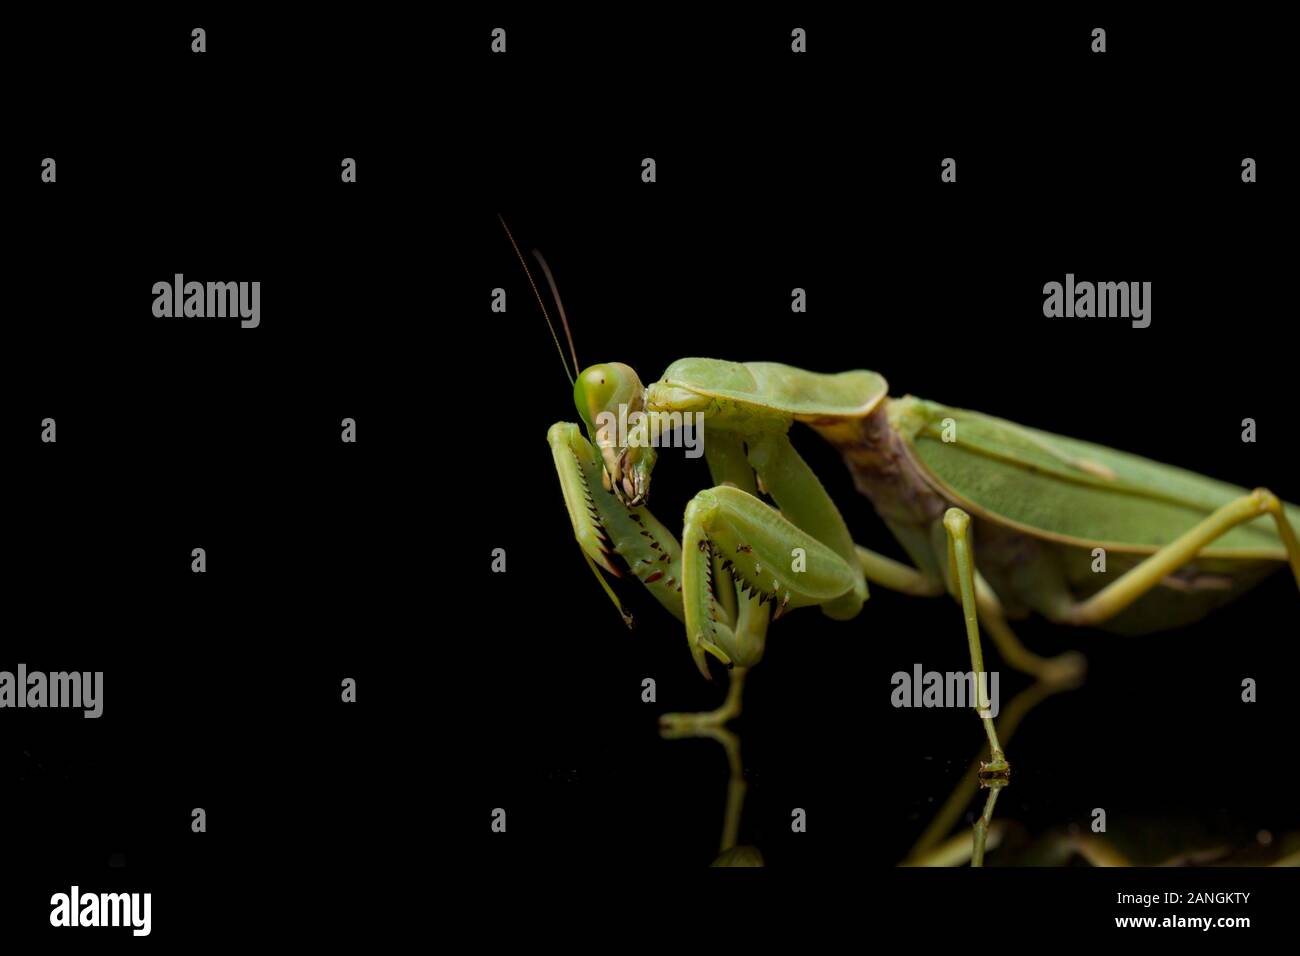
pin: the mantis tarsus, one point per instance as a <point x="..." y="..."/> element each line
<point x="1005" y="518"/>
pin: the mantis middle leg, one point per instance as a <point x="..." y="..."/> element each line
<point x="979" y="605"/>
<point x="905" y="579"/>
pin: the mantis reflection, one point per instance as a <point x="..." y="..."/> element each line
<point x="1061" y="846"/>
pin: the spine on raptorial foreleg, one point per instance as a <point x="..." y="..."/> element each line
<point x="707" y="624"/>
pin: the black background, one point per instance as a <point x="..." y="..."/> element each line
<point x="372" y="560"/>
<point x="222" y="690"/>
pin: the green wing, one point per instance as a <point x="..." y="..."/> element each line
<point x="1072" y="490"/>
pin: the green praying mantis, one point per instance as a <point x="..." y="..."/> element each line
<point x="1005" y="518"/>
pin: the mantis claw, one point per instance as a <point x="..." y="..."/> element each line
<point x="698" y="648"/>
<point x="697" y="654"/>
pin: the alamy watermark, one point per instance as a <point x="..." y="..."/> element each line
<point x="959" y="689"/>
<point x="211" y="300"/>
<point x="1101" y="300"/>
<point x="642" y="429"/>
<point x="76" y="908"/>
<point x="75" y="689"/>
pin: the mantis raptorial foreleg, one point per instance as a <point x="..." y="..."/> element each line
<point x="733" y="539"/>
<point x="770" y="559"/>
<point x="805" y="546"/>
<point x="725" y="453"/>
<point x="603" y="525"/>
<point x="1136" y="582"/>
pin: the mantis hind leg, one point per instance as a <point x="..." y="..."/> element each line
<point x="1120" y="594"/>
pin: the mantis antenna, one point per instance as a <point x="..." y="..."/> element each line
<point x="568" y="334"/>
<point x="555" y="293"/>
<point x="559" y="305"/>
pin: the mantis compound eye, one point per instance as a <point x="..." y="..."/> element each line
<point x="607" y="392"/>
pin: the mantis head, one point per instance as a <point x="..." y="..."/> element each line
<point x="611" y="401"/>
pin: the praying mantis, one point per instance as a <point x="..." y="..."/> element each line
<point x="1004" y="518"/>
<point x="1177" y="544"/>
